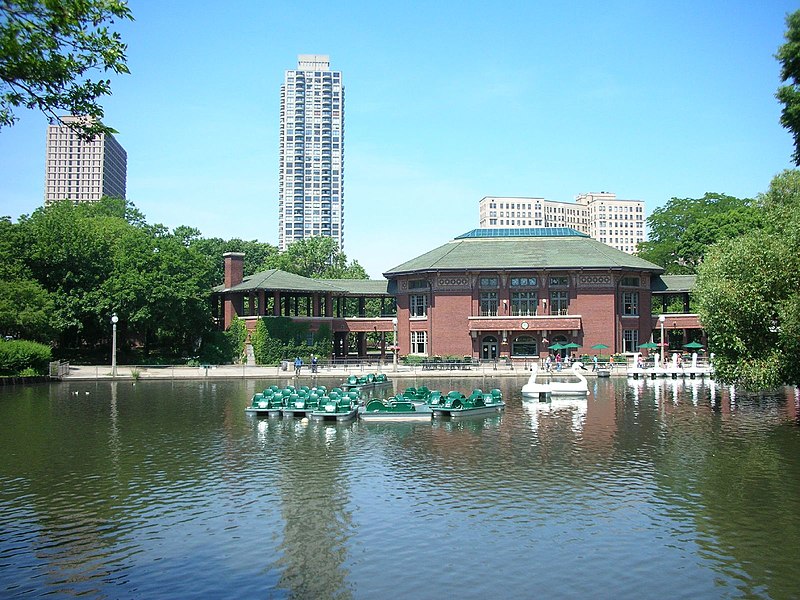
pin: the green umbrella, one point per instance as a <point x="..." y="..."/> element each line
<point x="599" y="347"/>
<point x="693" y="345"/>
<point x="572" y="345"/>
<point x="556" y="346"/>
<point x="648" y="345"/>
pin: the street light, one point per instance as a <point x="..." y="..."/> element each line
<point x="394" y="355"/>
<point x="661" y="320"/>
<point x="114" y="321"/>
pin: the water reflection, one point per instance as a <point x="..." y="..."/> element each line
<point x="168" y="489"/>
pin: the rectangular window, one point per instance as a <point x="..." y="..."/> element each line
<point x="523" y="282"/>
<point x="418" y="305"/>
<point x="630" y="281"/>
<point x="630" y="340"/>
<point x="559" y="303"/>
<point x="419" y="342"/>
<point x="489" y="282"/>
<point x="488" y="304"/>
<point x="559" y="281"/>
<point x="417" y="284"/>
<point x="523" y="304"/>
<point x="630" y="303"/>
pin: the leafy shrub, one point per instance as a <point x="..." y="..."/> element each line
<point x="237" y="336"/>
<point x="17" y="356"/>
<point x="279" y="338"/>
<point x="413" y="359"/>
<point x="215" y="349"/>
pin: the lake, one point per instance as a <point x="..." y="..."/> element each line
<point x="148" y="489"/>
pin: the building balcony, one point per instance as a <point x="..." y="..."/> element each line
<point x="525" y="323"/>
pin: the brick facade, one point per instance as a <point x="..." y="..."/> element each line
<point x="456" y="325"/>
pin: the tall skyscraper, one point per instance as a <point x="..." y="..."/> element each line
<point x="80" y="170"/>
<point x="311" y="187"/>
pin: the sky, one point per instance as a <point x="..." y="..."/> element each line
<point x="445" y="102"/>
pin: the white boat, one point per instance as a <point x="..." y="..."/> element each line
<point x="536" y="391"/>
<point x="571" y="388"/>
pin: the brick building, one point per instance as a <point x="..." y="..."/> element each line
<point x="487" y="294"/>
<point x="494" y="293"/>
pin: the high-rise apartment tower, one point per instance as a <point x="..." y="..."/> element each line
<point x="80" y="170"/>
<point x="311" y="187"/>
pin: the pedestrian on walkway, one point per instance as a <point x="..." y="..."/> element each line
<point x="298" y="364"/>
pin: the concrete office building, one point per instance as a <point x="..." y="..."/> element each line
<point x="606" y="218"/>
<point x="80" y="170"/>
<point x="311" y="186"/>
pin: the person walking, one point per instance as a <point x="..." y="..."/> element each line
<point x="298" y="364"/>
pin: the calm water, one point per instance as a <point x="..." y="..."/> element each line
<point x="162" y="489"/>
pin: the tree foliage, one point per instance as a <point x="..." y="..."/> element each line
<point x="682" y="229"/>
<point x="25" y="310"/>
<point x="789" y="95"/>
<point x="748" y="295"/>
<point x="49" y="51"/>
<point x="318" y="257"/>
<point x="71" y="266"/>
<point x="258" y="256"/>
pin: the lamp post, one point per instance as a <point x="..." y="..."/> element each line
<point x="114" y="320"/>
<point x="394" y="344"/>
<point x="661" y="320"/>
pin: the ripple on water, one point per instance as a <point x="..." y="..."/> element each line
<point x="177" y="493"/>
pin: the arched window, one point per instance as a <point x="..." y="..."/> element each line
<point x="524" y="345"/>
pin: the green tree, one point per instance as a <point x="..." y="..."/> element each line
<point x="25" y="309"/>
<point x="258" y="256"/>
<point x="682" y="229"/>
<point x="102" y="258"/>
<point x="789" y="95"/>
<point x="49" y="49"/>
<point x="318" y="257"/>
<point x="748" y="295"/>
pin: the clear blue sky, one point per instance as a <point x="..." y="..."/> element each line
<point x="446" y="102"/>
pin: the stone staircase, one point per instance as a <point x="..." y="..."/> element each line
<point x="250" y="355"/>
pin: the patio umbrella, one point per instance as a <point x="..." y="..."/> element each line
<point x="572" y="345"/>
<point x="648" y="345"/>
<point x="557" y="346"/>
<point x="693" y="345"/>
<point x="599" y="347"/>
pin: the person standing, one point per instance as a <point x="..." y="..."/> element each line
<point x="313" y="364"/>
<point x="298" y="364"/>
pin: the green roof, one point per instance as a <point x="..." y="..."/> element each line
<point x="361" y="287"/>
<point x="478" y="250"/>
<point x="673" y="284"/>
<point x="277" y="280"/>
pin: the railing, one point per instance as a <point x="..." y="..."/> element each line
<point x="59" y="368"/>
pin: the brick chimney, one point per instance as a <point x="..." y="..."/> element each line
<point x="234" y="268"/>
<point x="234" y="274"/>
